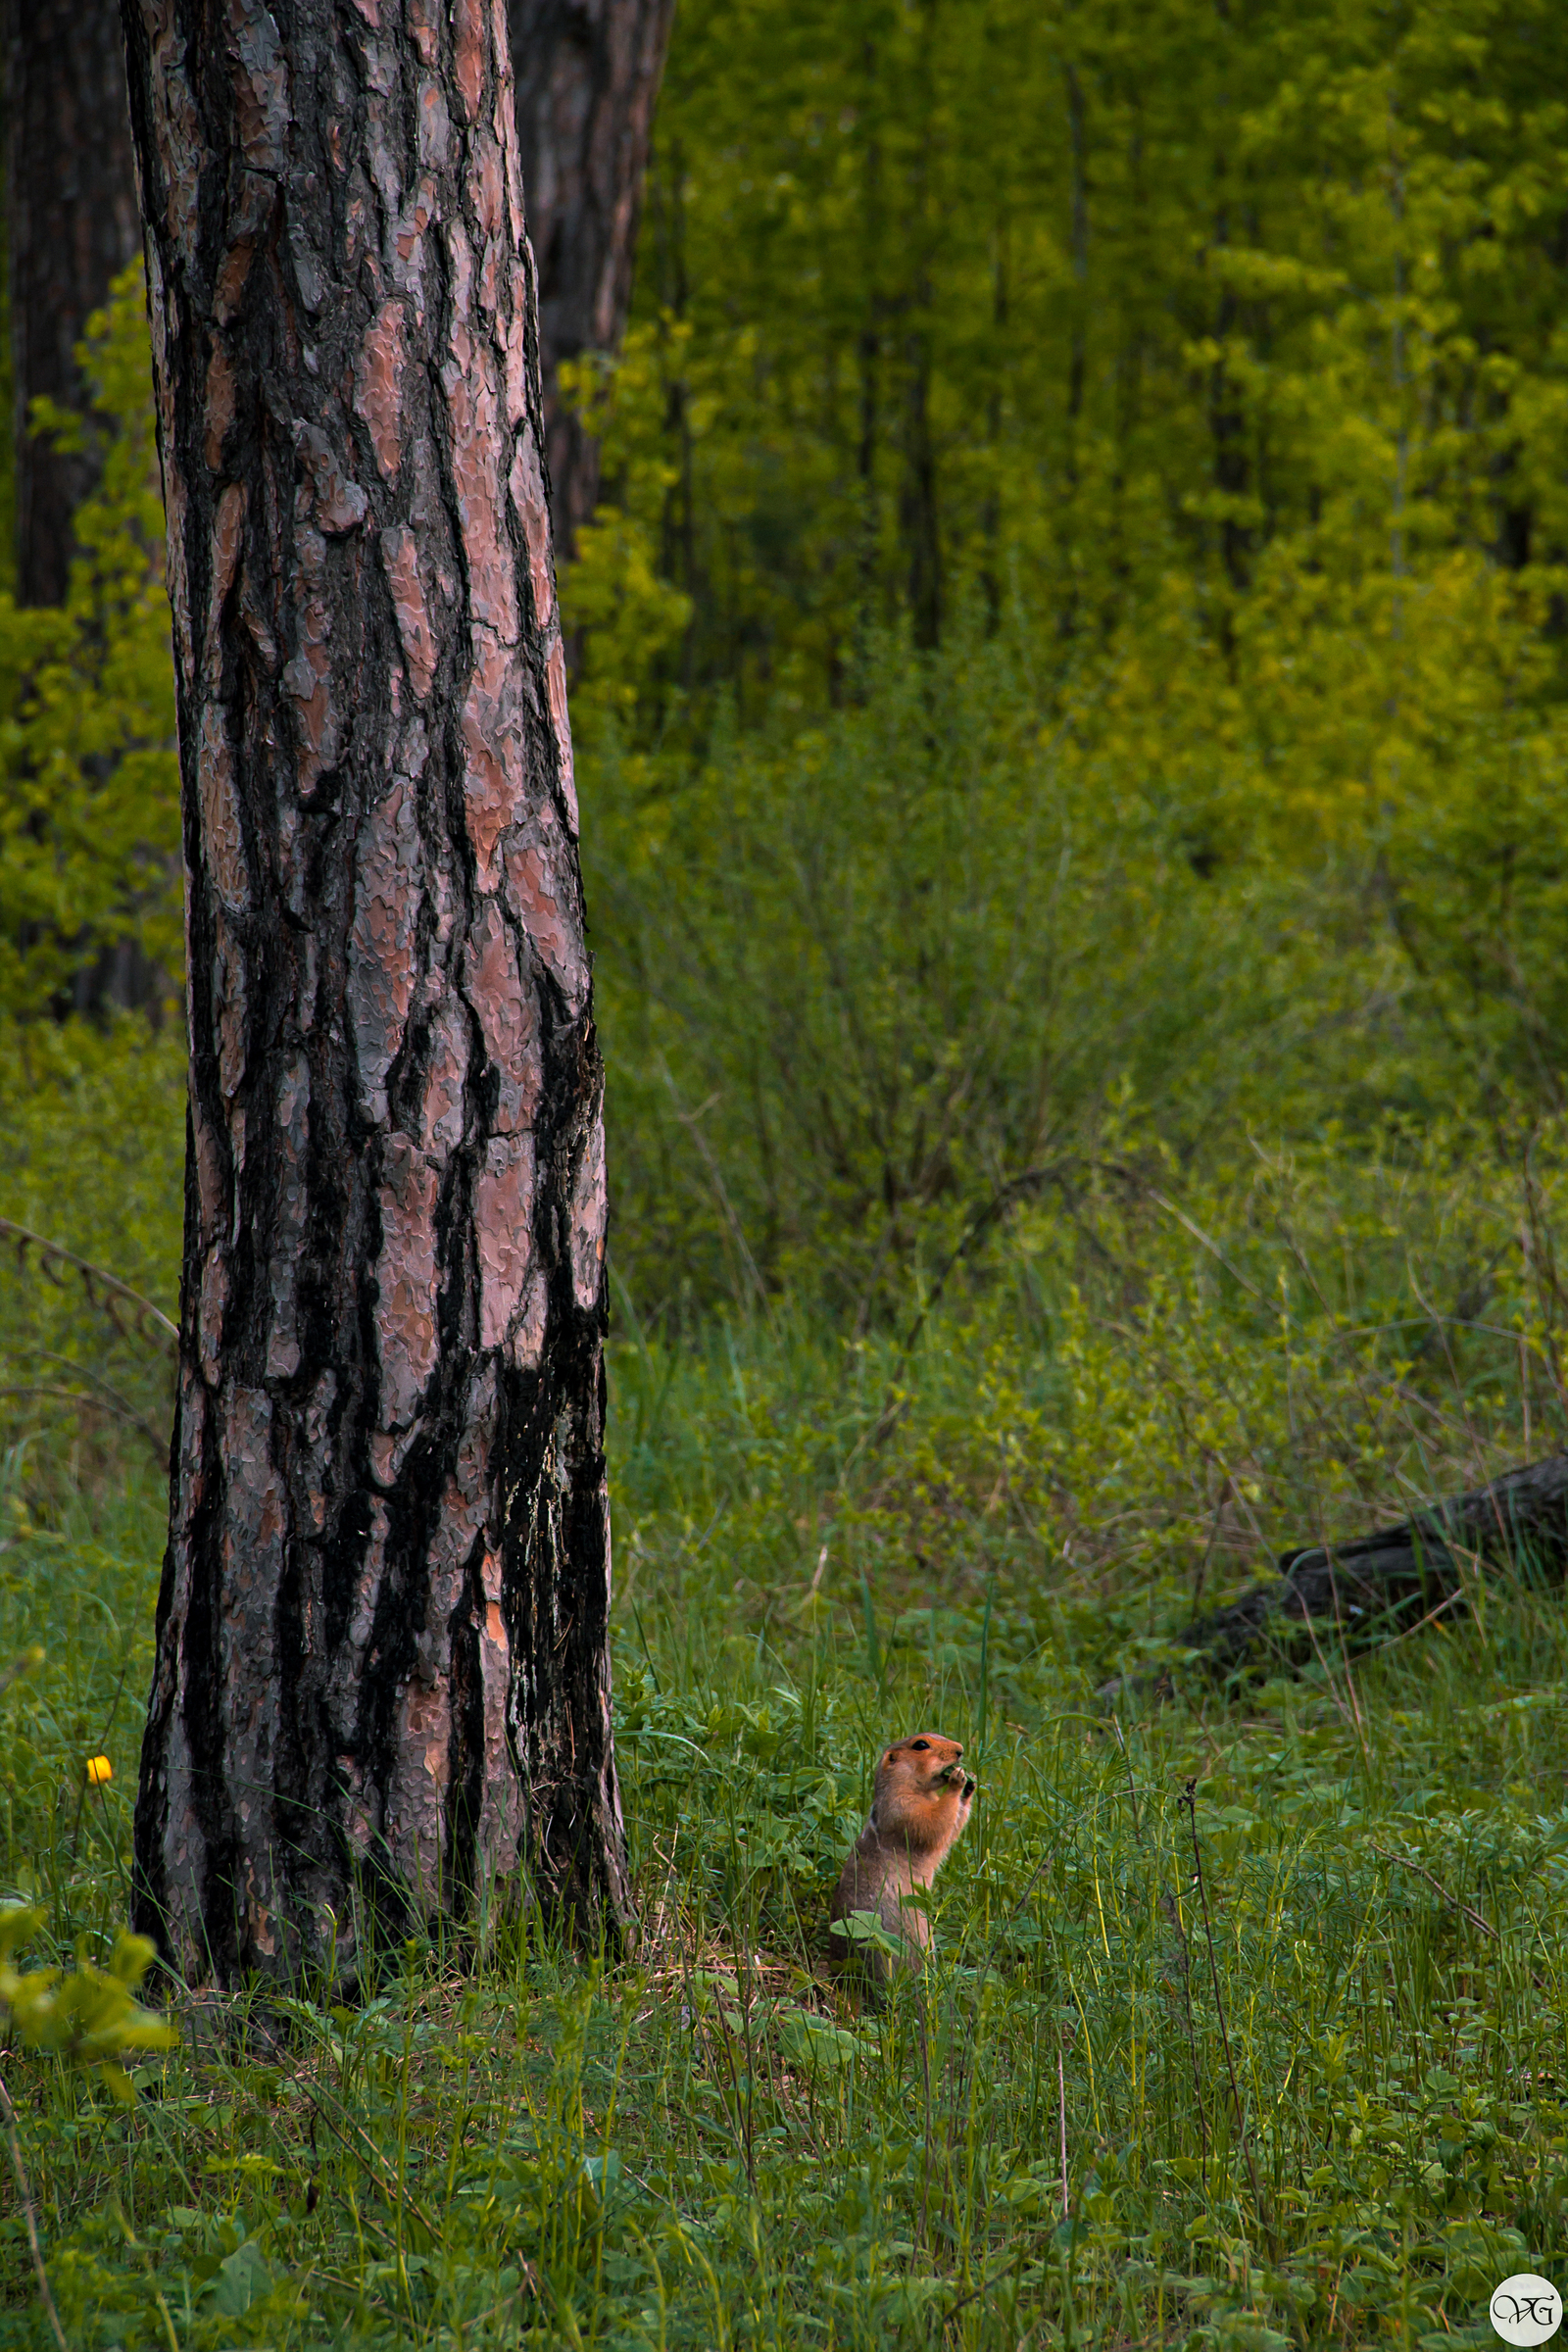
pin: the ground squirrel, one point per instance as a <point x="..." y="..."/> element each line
<point x="921" y="1803"/>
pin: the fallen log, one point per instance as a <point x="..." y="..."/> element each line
<point x="1376" y="1586"/>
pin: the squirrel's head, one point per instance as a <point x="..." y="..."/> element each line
<point x="921" y="1774"/>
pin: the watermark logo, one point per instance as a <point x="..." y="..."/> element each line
<point x="1526" y="2310"/>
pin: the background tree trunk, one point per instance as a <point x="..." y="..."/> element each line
<point x="383" y="1672"/>
<point x="587" y="75"/>
<point x="73" y="225"/>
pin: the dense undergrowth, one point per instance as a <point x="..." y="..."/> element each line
<point x="1317" y="2095"/>
<point x="1071" y="715"/>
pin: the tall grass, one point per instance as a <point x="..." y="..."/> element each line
<point x="1315" y="2094"/>
<point x="701" y="2147"/>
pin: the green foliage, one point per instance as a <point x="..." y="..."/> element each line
<point x="91" y="1159"/>
<point x="1153" y="1378"/>
<point x="1071" y="725"/>
<point x="87" y="2018"/>
<point x="1078" y="607"/>
<point x="706" y="2146"/>
<point x="1083" y="302"/>
<point x="861" y="979"/>
<point x="89" y="781"/>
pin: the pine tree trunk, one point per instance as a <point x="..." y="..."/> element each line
<point x="383" y="1676"/>
<point x="587" y="76"/>
<point x="73" y="225"/>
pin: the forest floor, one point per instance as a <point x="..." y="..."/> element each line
<point x="1247" y="2024"/>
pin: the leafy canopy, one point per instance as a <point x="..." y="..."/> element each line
<point x="89" y="779"/>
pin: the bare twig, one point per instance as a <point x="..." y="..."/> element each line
<point x="1011" y="1189"/>
<point x="1201" y="1577"/>
<point x="1421" y="1623"/>
<point x="1403" y="1862"/>
<point x="104" y="1290"/>
<point x="1352" y="1714"/>
<point x="1172" y="1910"/>
<point x="1190" y="1800"/>
<point x="1132" y="1787"/>
<point x="1211" y="1244"/>
<point x="110" y="1401"/>
<point x="1011" y="2260"/>
<point x="691" y="1120"/>
<point x="29" y="2216"/>
<point x="364" y="2147"/>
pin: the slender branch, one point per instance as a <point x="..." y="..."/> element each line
<point x="94" y="1279"/>
<point x="1403" y="1862"/>
<point x="1132" y="1786"/>
<point x="1002" y="1200"/>
<point x="1190" y="1800"/>
<point x="1011" y="2260"/>
<point x="29" y="2216"/>
<point x="121" y="1403"/>
<point x="364" y="2147"/>
<point x="1393" y="1640"/>
<point x="691" y="1120"/>
<point x="110" y="1401"/>
<point x="1172" y="1910"/>
<point x="1211" y="1244"/>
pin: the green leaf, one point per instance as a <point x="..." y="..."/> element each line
<point x="242" y="2279"/>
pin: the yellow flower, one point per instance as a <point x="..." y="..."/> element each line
<point x="99" y="1770"/>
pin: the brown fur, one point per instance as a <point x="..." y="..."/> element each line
<point x="921" y="1804"/>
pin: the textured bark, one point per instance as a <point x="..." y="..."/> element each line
<point x="73" y="227"/>
<point x="1383" y="1583"/>
<point x="382" y="1669"/>
<point x="587" y="75"/>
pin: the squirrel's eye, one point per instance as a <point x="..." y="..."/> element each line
<point x="920" y="1746"/>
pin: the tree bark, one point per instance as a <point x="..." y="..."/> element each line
<point x="73" y="227"/>
<point x="382" y="1675"/>
<point x="587" y="75"/>
<point x="1386" y="1583"/>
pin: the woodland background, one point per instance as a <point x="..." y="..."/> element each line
<point x="1073" y="632"/>
<point x="1071" y="705"/>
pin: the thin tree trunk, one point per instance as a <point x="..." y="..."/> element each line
<point x="1069" y="519"/>
<point x="1077" y="367"/>
<point x="922" y="531"/>
<point x="921" y="524"/>
<point x="587" y="75"/>
<point x="868" y="355"/>
<point x="73" y="227"/>
<point x="382" y="1676"/>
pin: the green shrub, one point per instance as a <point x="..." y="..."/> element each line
<point x="89" y="780"/>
